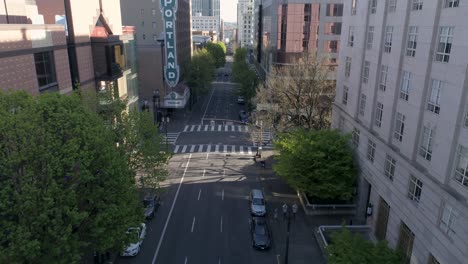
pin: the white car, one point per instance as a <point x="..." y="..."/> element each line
<point x="139" y="234"/>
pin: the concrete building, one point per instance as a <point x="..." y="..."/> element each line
<point x="245" y="23"/>
<point x="205" y="23"/>
<point x="402" y="93"/>
<point x="39" y="54"/>
<point x="206" y="7"/>
<point x="285" y="29"/>
<point x="153" y="33"/>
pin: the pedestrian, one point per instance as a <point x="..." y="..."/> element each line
<point x="294" y="209"/>
<point x="285" y="210"/>
<point x="275" y="214"/>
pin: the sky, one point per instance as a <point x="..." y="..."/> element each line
<point x="229" y="10"/>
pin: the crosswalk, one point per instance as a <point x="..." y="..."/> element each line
<point x="216" y="127"/>
<point x="266" y="138"/>
<point x="230" y="149"/>
<point x="171" y="137"/>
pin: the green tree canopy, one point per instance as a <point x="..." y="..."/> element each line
<point x="243" y="74"/>
<point x="348" y="248"/>
<point x="319" y="163"/>
<point x="64" y="186"/>
<point x="222" y="45"/>
<point x="218" y="53"/>
<point x="201" y="71"/>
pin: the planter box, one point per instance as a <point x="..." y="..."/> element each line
<point x="326" y="209"/>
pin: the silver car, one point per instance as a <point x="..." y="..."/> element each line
<point x="257" y="203"/>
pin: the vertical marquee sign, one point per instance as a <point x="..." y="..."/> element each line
<point x="171" y="69"/>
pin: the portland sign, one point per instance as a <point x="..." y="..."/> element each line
<point x="171" y="69"/>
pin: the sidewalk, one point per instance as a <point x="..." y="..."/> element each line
<point x="303" y="247"/>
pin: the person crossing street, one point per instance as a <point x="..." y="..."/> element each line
<point x="285" y="210"/>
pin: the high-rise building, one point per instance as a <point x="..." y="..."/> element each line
<point x="58" y="46"/>
<point x="206" y="7"/>
<point x="285" y="29"/>
<point x="402" y="91"/>
<point x="163" y="32"/>
<point x="245" y="23"/>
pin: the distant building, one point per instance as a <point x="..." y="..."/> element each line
<point x="39" y="54"/>
<point x="402" y="88"/>
<point x="205" y="23"/>
<point x="245" y="23"/>
<point x="206" y="7"/>
<point x="167" y="90"/>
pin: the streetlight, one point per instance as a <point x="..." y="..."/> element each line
<point x="165" y="121"/>
<point x="259" y="146"/>
<point x="286" y="254"/>
<point x="155" y="97"/>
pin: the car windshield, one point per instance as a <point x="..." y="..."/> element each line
<point x="257" y="201"/>
<point x="260" y="229"/>
<point x="147" y="203"/>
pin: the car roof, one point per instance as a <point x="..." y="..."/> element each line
<point x="259" y="220"/>
<point x="257" y="193"/>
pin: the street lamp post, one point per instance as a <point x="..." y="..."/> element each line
<point x="260" y="139"/>
<point x="155" y="97"/>
<point x="286" y="254"/>
<point x="165" y="121"/>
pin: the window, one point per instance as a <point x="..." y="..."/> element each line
<point x="415" y="189"/>
<point x="332" y="46"/>
<point x="399" y="126"/>
<point x="45" y="70"/>
<point x="370" y="37"/>
<point x="334" y="10"/>
<point x="451" y="3"/>
<point x="351" y="36"/>
<point x="425" y="149"/>
<point x="353" y="7"/>
<point x="153" y="12"/>
<point x="356" y="134"/>
<point x="144" y="36"/>
<point x="154" y="24"/>
<point x="445" y="44"/>
<point x="388" y="39"/>
<point x="362" y="104"/>
<point x="348" y="67"/>
<point x="433" y="260"/>
<point x="412" y="41"/>
<point x="447" y="220"/>
<point x="378" y="114"/>
<point x="417" y="5"/>
<point x="341" y="122"/>
<point x="365" y="72"/>
<point x="371" y="150"/>
<point x="465" y="123"/>
<point x="383" y="77"/>
<point x="373" y="6"/>
<point x="392" y="6"/>
<point x="333" y="28"/>
<point x="142" y="12"/>
<point x="405" y="85"/>
<point x="405" y="242"/>
<point x="345" y="95"/>
<point x="389" y="167"/>
<point x="461" y="170"/>
<point x="142" y="23"/>
<point x="433" y="103"/>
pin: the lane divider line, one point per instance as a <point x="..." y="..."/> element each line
<point x="199" y="194"/>
<point x="221" y="228"/>
<point x="193" y="225"/>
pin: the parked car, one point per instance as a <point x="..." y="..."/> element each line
<point x="240" y="100"/>
<point x="243" y="117"/>
<point x="260" y="233"/>
<point x="138" y="235"/>
<point x="257" y="203"/>
<point x="151" y="204"/>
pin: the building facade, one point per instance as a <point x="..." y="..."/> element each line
<point x="245" y="23"/>
<point x="205" y="23"/>
<point x="285" y="29"/>
<point x="38" y="53"/>
<point x="402" y="92"/>
<point x="206" y="7"/>
<point x="147" y="17"/>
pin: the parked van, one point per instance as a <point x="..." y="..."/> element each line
<point x="257" y="203"/>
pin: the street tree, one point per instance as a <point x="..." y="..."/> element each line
<point x="348" y="248"/>
<point x="218" y="53"/>
<point x="243" y="74"/>
<point x="318" y="163"/>
<point x="222" y="45"/>
<point x="201" y="71"/>
<point x="64" y="185"/>
<point x="298" y="95"/>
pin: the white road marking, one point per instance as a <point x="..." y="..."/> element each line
<point x="233" y="128"/>
<point x="193" y="224"/>
<point x="186" y="259"/>
<point x="219" y="127"/>
<point x="176" y="149"/>
<point x="224" y="148"/>
<point x="192" y="128"/>
<point x="217" y="148"/>
<point x="200" y="148"/>
<point x="221" y="228"/>
<point x="204" y="171"/>
<point x="226" y="128"/>
<point x="170" y="213"/>
<point x="212" y="128"/>
<point x="241" y="150"/>
<point x="278" y="259"/>
<point x="246" y="129"/>
<point x="250" y="150"/>
<point x="224" y="173"/>
<point x="199" y="194"/>
<point x="208" y="104"/>
<point x="186" y="128"/>
<point x="206" y="127"/>
<point x="222" y="195"/>
<point x="219" y="260"/>
<point x="184" y="148"/>
<point x="233" y="149"/>
<point x="199" y="128"/>
<point x="239" y="128"/>
<point x="192" y="148"/>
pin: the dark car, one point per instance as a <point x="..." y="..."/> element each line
<point x="243" y="117"/>
<point x="151" y="204"/>
<point x="260" y="233"/>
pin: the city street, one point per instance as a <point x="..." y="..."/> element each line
<point x="204" y="216"/>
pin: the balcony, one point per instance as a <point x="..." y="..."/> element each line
<point x="108" y="57"/>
